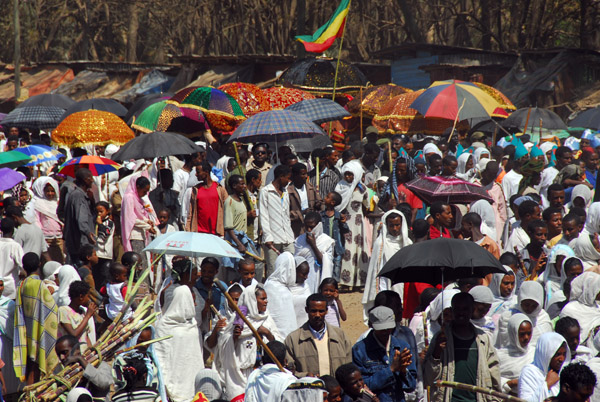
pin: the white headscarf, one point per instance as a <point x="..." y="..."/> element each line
<point x="501" y="303"/>
<point x="478" y="154"/>
<point x="300" y="293"/>
<point x="50" y="270"/>
<point x="40" y="203"/>
<point x="67" y="274"/>
<point x="384" y="247"/>
<point x="584" y="248"/>
<point x="581" y="191"/>
<point x="346" y="189"/>
<point x="326" y="245"/>
<point x="513" y="357"/>
<point x="431" y="148"/>
<point x="592" y="223"/>
<point x="278" y="290"/>
<point x="582" y="304"/>
<point x="484" y="209"/>
<point x="75" y="393"/>
<point x="463" y="159"/>
<point x="441" y="303"/>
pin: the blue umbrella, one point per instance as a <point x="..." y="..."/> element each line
<point x="319" y="110"/>
<point x="275" y="126"/>
<point x="191" y="244"/>
<point x="40" y="154"/>
<point x="10" y="178"/>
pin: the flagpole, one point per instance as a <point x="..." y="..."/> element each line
<point x="337" y="65"/>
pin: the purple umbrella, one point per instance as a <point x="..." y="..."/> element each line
<point x="9" y="178"/>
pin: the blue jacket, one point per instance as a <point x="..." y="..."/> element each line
<point x="374" y="364"/>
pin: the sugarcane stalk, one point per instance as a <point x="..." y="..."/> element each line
<point x="150" y="342"/>
<point x="318" y="175"/>
<point x="479" y="390"/>
<point x="425" y="331"/>
<point x="242" y="170"/>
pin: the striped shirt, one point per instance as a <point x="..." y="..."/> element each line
<point x="275" y="216"/>
<point x="329" y="178"/>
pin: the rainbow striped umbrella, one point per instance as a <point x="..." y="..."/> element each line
<point x="96" y="164"/>
<point x="455" y="100"/>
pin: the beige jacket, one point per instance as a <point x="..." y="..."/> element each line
<point x="303" y="351"/>
<point x="488" y="368"/>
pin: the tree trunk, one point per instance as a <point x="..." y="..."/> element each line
<point x="132" y="30"/>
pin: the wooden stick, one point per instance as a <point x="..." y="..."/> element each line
<point x="242" y="170"/>
<point x="425" y="331"/>
<point x="361" y="111"/>
<point x="527" y="120"/>
<point x="479" y="390"/>
<point x="318" y="175"/>
<point x="456" y="120"/>
<point x="235" y="307"/>
<point x="248" y="253"/>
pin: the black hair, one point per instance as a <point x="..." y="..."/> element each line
<point x="509" y="259"/>
<point x="579" y="212"/>
<point x="210" y="260"/>
<point x="533" y="225"/>
<point x="142" y="182"/>
<point x="548" y="212"/>
<point x="298" y="168"/>
<point x="462" y="297"/>
<point x="536" y="197"/>
<point x="312" y="216"/>
<point x="527" y="208"/>
<point x="328" y="151"/>
<point x="330" y="382"/>
<point x="236" y="287"/>
<point x="281" y="170"/>
<point x="344" y="371"/>
<point x="278" y="349"/>
<point x="252" y="174"/>
<point x="555" y="187"/>
<point x="85" y="252"/>
<point x="164" y="210"/>
<point x="316" y="297"/>
<point x="437" y="208"/>
<point x="78" y="288"/>
<point x="234" y="179"/>
<point x="570" y="263"/>
<point x="473" y="281"/>
<point x="571" y="217"/>
<point x="328" y="281"/>
<point x="8" y="201"/>
<point x="261" y="145"/>
<point x="433" y="158"/>
<point x="129" y="258"/>
<point x="371" y="148"/>
<point x="576" y="376"/>
<point x="426" y="298"/>
<point x="336" y="197"/>
<point x="448" y="159"/>
<point x="180" y="268"/>
<point x="13" y="212"/>
<point x="564" y="324"/>
<point x="420" y="228"/>
<point x="288" y="157"/>
<point x="561" y="151"/>
<point x="31" y="262"/>
<point x="473" y="218"/>
<point x="72" y="341"/>
<point x="103" y="204"/>
<point x="7" y="226"/>
<point x="393" y="215"/>
<point x="246" y="262"/>
<point x="115" y="269"/>
<point x="388" y="298"/>
<point x="82" y="174"/>
<point x="205" y="166"/>
<point x="133" y="371"/>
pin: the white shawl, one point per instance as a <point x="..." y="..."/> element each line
<point x="501" y="303"/>
<point x="180" y="356"/>
<point x="584" y="248"/>
<point x="326" y="245"/>
<point x="40" y="203"/>
<point x="66" y="276"/>
<point x="486" y="212"/>
<point x="346" y="189"/>
<point x="384" y="247"/>
<point x="300" y="293"/>
<point x="279" y="294"/>
<point x="553" y="279"/>
<point x="513" y="357"/>
<point x="582" y="304"/>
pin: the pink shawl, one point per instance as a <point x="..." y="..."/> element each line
<point x="133" y="208"/>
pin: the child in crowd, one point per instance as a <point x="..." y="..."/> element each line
<point x="247" y="271"/>
<point x="352" y="383"/>
<point x="115" y="290"/>
<point x="334" y="225"/>
<point x="76" y="319"/>
<point x="334" y="391"/>
<point x="164" y="216"/>
<point x="89" y="259"/>
<point x="335" y="309"/>
<point x="105" y="229"/>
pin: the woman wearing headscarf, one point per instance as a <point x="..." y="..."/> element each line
<point x="431" y="148"/>
<point x="393" y="236"/>
<point x="488" y="227"/>
<point x="237" y="346"/>
<point x="504" y="289"/>
<point x="531" y="171"/>
<point x="582" y="305"/>
<point x="278" y="287"/>
<point x="180" y="357"/>
<point x="45" y="202"/>
<point x="589" y="156"/>
<point x="479" y="154"/>
<point x="465" y="164"/>
<point x="552" y="274"/>
<point x="580" y="197"/>
<point x="586" y="246"/>
<point x="356" y="257"/>
<point x="517" y="354"/>
<point x="530" y="303"/>
<point x="67" y="274"/>
<point x="7" y="321"/>
<point x="138" y="219"/>
<point x="540" y="380"/>
<point x="300" y="290"/>
<point x="50" y="271"/>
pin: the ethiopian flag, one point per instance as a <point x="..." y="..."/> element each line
<point x="323" y="38"/>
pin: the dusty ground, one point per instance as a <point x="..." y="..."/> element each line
<point x="354" y="325"/>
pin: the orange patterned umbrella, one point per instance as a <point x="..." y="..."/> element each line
<point x="397" y="117"/>
<point x="502" y="99"/>
<point x="373" y="99"/>
<point x="251" y="98"/>
<point x="92" y="127"/>
<point x="282" y="97"/>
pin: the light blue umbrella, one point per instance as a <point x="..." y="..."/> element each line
<point x="40" y="154"/>
<point x="193" y="245"/>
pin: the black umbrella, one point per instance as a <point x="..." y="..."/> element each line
<point x="588" y="119"/>
<point x="106" y="105"/>
<point x="154" y="145"/>
<point x="549" y="120"/>
<point x="142" y="103"/>
<point x="34" y="117"/>
<point x="439" y="260"/>
<point x="304" y="144"/>
<point x="54" y="100"/>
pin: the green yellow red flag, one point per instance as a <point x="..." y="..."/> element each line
<point x="323" y="38"/>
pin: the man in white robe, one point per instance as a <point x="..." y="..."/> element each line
<point x="268" y="383"/>
<point x="317" y="248"/>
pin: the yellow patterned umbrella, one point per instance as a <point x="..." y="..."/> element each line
<point x="92" y="127"/>
<point x="373" y="99"/>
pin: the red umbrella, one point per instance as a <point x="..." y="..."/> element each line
<point x="447" y="189"/>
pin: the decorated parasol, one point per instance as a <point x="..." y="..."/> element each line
<point x="40" y="154"/>
<point x="251" y="98"/>
<point x="282" y="97"/>
<point x="451" y="190"/>
<point x="163" y="116"/>
<point x="97" y="165"/>
<point x="92" y="127"/>
<point x="221" y="110"/>
<point x="373" y="99"/>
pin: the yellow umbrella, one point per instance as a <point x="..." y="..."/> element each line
<point x="92" y="127"/>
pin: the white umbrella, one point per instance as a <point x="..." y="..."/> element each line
<point x="193" y="245"/>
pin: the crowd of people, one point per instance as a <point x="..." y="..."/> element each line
<point x="310" y="227"/>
